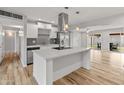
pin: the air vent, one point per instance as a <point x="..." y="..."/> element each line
<point x="8" y="14"/>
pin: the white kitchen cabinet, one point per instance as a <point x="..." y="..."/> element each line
<point x="32" y="31"/>
<point x="53" y="33"/>
<point x="76" y="39"/>
<point x="44" y="26"/>
<point x="84" y="39"/>
<point x="43" y="31"/>
<point x="48" y="26"/>
<point x="41" y="25"/>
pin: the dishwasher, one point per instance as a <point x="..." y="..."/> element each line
<point x="30" y="54"/>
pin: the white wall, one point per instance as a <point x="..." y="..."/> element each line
<point x="17" y="43"/>
<point x="24" y="43"/>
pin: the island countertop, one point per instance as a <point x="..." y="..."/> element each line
<point x="49" y="53"/>
<point x="50" y="64"/>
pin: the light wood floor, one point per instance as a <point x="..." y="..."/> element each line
<point x="107" y="68"/>
<point x="12" y="73"/>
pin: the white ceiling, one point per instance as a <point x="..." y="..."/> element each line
<point x="51" y="13"/>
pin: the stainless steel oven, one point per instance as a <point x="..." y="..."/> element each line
<point x="30" y="54"/>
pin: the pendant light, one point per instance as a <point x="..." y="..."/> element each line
<point x="66" y="27"/>
<point x="77" y="29"/>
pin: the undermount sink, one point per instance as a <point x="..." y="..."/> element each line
<point x="61" y="48"/>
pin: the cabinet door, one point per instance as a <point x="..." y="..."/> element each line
<point x="41" y="25"/>
<point x="44" y="26"/>
<point x="76" y="39"/>
<point x="84" y="40"/>
<point x="53" y="33"/>
<point x="48" y="26"/>
<point x="32" y="31"/>
<point x="29" y="57"/>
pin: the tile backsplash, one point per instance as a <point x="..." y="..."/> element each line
<point x="31" y="41"/>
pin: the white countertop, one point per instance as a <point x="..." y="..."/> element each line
<point x="43" y="46"/>
<point x="33" y="46"/>
<point x="49" y="53"/>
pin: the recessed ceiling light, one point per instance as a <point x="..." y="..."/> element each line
<point x="66" y="7"/>
<point x="39" y="19"/>
<point x="16" y="26"/>
<point x="77" y="12"/>
<point x="10" y="33"/>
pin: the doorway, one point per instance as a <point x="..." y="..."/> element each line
<point x="11" y="42"/>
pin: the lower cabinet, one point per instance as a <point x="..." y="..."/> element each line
<point x="29" y="57"/>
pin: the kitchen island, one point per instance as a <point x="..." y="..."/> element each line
<point x="51" y="64"/>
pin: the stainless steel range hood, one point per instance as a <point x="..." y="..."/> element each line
<point x="62" y="21"/>
<point x="63" y="34"/>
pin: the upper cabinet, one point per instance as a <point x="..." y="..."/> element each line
<point x="41" y="28"/>
<point x="76" y="39"/>
<point x="53" y="33"/>
<point x="79" y="39"/>
<point x="32" y="31"/>
<point x="44" y="26"/>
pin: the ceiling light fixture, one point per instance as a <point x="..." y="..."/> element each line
<point x="66" y="7"/>
<point x="66" y="27"/>
<point x="39" y="19"/>
<point x="77" y="12"/>
<point x="77" y="28"/>
<point x="3" y="33"/>
<point x="10" y="34"/>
